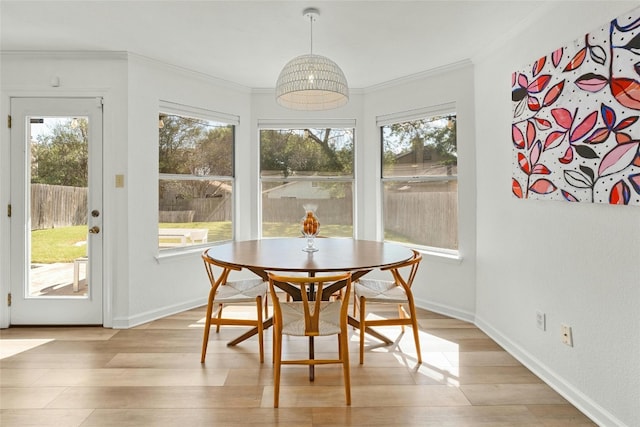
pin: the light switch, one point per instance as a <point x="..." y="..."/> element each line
<point x="119" y="181"/>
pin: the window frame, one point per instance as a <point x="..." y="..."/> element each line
<point x="266" y="124"/>
<point x="196" y="113"/>
<point x="407" y="116"/>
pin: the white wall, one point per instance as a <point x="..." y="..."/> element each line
<point x="443" y="284"/>
<point x="159" y="286"/>
<point x="577" y="262"/>
<point x="144" y="286"/>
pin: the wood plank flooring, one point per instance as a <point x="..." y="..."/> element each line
<point x="151" y="376"/>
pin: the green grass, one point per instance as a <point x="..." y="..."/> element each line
<point x="396" y="237"/>
<point x="217" y="230"/>
<point x="277" y="229"/>
<point x="58" y="244"/>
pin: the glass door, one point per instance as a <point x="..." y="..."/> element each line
<point x="56" y="198"/>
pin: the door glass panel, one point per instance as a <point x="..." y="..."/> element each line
<point x="58" y="207"/>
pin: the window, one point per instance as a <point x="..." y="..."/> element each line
<point x="196" y="178"/>
<point x="306" y="167"/>
<point x="420" y="180"/>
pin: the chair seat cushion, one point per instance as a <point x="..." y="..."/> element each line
<point x="380" y="291"/>
<point x="241" y="290"/>
<point x="293" y="318"/>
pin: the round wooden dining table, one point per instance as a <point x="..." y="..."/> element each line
<point x="287" y="255"/>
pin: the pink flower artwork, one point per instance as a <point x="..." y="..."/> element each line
<point x="575" y="130"/>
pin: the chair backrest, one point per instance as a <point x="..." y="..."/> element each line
<point x="209" y="265"/>
<point x="409" y="267"/>
<point x="312" y="307"/>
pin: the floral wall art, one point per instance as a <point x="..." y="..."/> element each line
<point x="576" y="127"/>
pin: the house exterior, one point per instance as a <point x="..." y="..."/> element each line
<point x="298" y="190"/>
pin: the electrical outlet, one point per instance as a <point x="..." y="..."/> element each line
<point x="541" y="320"/>
<point x="567" y="337"/>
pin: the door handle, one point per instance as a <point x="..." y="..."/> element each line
<point x="94" y="230"/>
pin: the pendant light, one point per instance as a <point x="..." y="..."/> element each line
<point x="311" y="82"/>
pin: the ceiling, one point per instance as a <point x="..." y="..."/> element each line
<point x="248" y="42"/>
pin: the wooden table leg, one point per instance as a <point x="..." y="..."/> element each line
<point x="312" y="372"/>
<point x="253" y="331"/>
<point x="312" y="296"/>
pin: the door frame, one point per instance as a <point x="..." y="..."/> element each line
<point x="5" y="197"/>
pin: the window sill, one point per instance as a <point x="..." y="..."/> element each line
<point x="447" y="257"/>
<point x="166" y="255"/>
<point x="444" y="255"/>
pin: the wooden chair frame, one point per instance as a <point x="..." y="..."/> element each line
<point x="312" y="314"/>
<point x="409" y="268"/>
<point x="214" y="317"/>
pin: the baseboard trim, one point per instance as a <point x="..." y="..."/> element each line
<point x="446" y="310"/>
<point x="591" y="409"/>
<point x="149" y="316"/>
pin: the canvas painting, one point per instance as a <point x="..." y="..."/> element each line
<point x="576" y="128"/>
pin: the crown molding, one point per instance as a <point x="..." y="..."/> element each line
<point x="272" y="91"/>
<point x="121" y="56"/>
<point x="125" y="56"/>
<point x="419" y="76"/>
<point x="65" y="54"/>
<point x="191" y="73"/>
<point x="392" y="83"/>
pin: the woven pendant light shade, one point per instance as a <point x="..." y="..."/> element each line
<point x="311" y="82"/>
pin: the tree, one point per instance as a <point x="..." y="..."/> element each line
<point x="306" y="151"/>
<point x="177" y="138"/>
<point x="194" y="147"/>
<point x="60" y="157"/>
<point x="435" y="133"/>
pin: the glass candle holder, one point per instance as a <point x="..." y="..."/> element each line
<point x="310" y="229"/>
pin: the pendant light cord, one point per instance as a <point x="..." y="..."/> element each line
<point x="311" y="27"/>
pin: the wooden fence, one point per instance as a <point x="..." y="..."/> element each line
<point x="57" y="206"/>
<point x="61" y="206"/>
<point x="426" y="218"/>
<point x="329" y="211"/>
<point x="430" y="218"/>
<point x="196" y="210"/>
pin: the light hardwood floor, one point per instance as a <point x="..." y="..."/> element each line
<point x="151" y="376"/>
